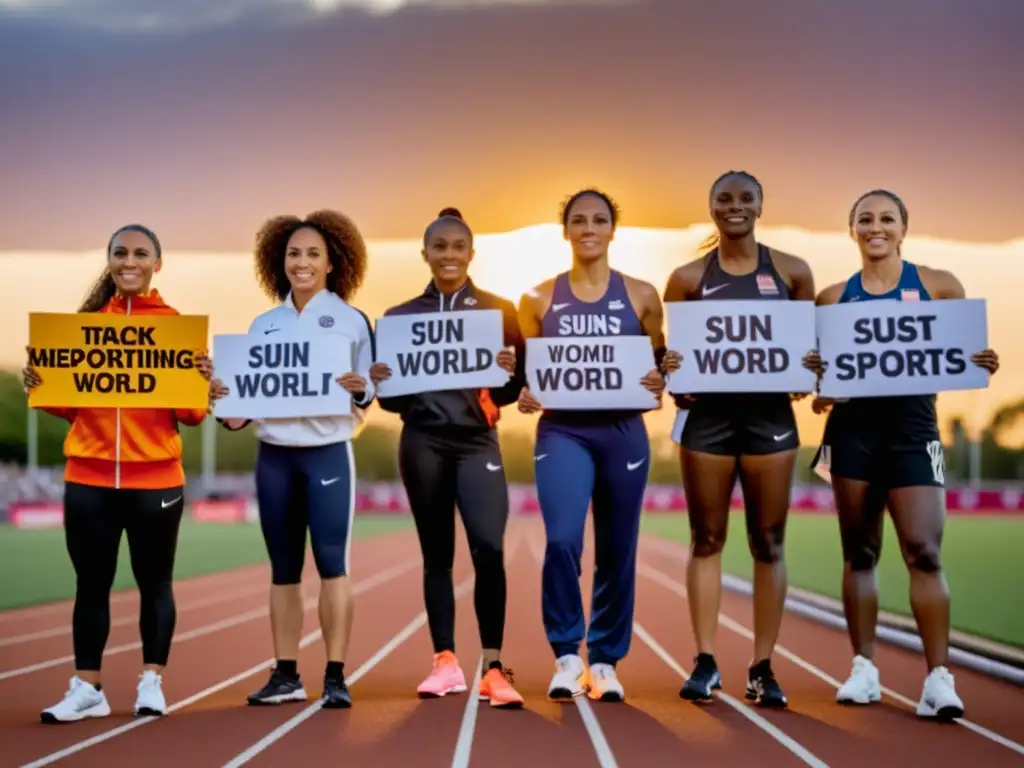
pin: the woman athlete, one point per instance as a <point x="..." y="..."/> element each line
<point x="123" y="475"/>
<point x="305" y="468"/>
<point x="591" y="456"/>
<point x="753" y="436"/>
<point x="448" y="455"/>
<point x="885" y="452"/>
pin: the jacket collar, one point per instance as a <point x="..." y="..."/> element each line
<point x="463" y="294"/>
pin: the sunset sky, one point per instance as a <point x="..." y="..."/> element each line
<point x="202" y="118"/>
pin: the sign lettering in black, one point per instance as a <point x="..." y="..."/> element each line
<point x="432" y="362"/>
<point x="590" y="378"/>
<point x="287" y="384"/>
<point x="893" y="363"/>
<point x="884" y="330"/>
<point x="734" y="360"/>
<point x="100" y="353"/>
<point x="438" y="332"/>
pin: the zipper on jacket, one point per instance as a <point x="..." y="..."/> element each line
<point x="117" y="429"/>
<point x="451" y="304"/>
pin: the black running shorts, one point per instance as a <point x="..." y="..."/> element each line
<point x="740" y="425"/>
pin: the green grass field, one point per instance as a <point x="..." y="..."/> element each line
<point x="983" y="558"/>
<point x="34" y="565"/>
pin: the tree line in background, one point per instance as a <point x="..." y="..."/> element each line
<point x="376" y="448"/>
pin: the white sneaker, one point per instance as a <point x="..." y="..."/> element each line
<point x="862" y="686"/>
<point x="938" y="698"/>
<point x="150" y="700"/>
<point x="569" y="680"/>
<point x="604" y="684"/>
<point x="81" y="701"/>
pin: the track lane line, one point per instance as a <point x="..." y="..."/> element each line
<point x="808" y="757"/>
<point x="123" y="621"/>
<point x="366" y="585"/>
<point x="603" y="751"/>
<point x="291" y="724"/>
<point x="192" y="634"/>
<point x="728" y="622"/>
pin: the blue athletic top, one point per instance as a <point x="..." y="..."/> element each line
<point x="611" y="315"/>
<point x="905" y="419"/>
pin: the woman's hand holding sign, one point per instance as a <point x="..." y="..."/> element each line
<point x="671" y="362"/>
<point x="352" y="382"/>
<point x="527" y="402"/>
<point x="379" y="372"/>
<point x="30" y="379"/>
<point x="204" y="365"/>
<point x="506" y="360"/>
<point x="987" y="359"/>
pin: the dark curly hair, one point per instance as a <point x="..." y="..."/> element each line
<point x="570" y="201"/>
<point x="346" y="251"/>
<point x="104" y="288"/>
<point x="712" y="240"/>
<point x="447" y="215"/>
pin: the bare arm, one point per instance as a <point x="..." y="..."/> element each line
<point x="800" y="276"/>
<point x="941" y="283"/>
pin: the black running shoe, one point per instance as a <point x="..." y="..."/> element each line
<point x="279" y="689"/>
<point x="705" y="678"/>
<point x="763" y="688"/>
<point x="336" y="695"/>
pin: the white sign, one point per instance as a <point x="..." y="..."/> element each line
<point x="590" y="373"/>
<point x="292" y="376"/>
<point x="433" y="351"/>
<point x="741" y="346"/>
<point x="887" y="348"/>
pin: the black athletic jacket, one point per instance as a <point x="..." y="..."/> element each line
<point x="461" y="409"/>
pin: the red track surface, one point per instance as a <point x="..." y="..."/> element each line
<point x="226" y="634"/>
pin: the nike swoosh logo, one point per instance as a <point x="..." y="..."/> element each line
<point x="493" y="467"/>
<point x="705" y="291"/>
<point x="558" y="307"/>
<point x="542" y="456"/>
<point x="631" y="465"/>
<point x="271" y="330"/>
<point x="332" y="481"/>
<point x="164" y="504"/>
<point x="783" y="436"/>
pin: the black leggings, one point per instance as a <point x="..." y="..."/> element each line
<point x="94" y="519"/>
<point x="438" y="473"/>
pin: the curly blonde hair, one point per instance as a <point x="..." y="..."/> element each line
<point x="346" y="251"/>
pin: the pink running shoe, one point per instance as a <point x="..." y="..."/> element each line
<point x="445" y="678"/>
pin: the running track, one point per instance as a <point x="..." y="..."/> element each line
<point x="223" y="649"/>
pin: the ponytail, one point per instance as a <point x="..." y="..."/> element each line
<point x="102" y="292"/>
<point x="709" y="242"/>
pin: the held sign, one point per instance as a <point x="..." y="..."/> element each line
<point x="590" y="373"/>
<point x="97" y="360"/>
<point x="741" y="346"/>
<point x="433" y="351"/>
<point x="292" y="376"/>
<point x="887" y="348"/>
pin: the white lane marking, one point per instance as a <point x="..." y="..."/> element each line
<point x="674" y="586"/>
<point x="365" y="585"/>
<point x="786" y="741"/>
<point x="192" y="634"/>
<point x="134" y="620"/>
<point x="464" y="744"/>
<point x="604" y="753"/>
<point x="289" y="725"/>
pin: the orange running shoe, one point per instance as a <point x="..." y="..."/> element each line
<point x="496" y="687"/>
